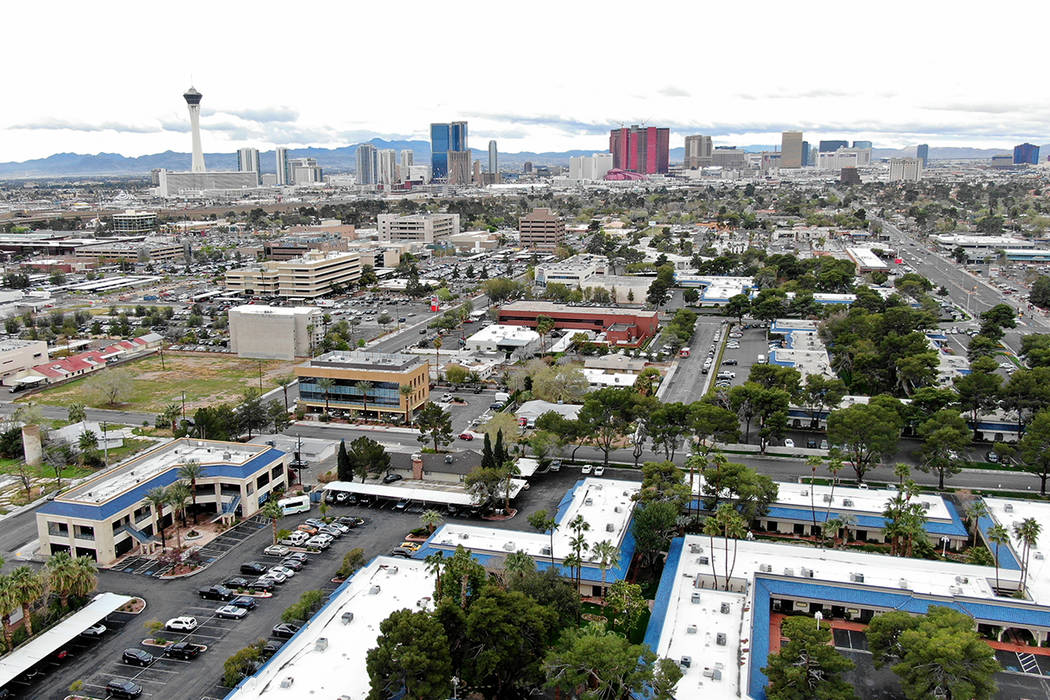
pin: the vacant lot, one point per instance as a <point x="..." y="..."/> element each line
<point x="205" y="379"/>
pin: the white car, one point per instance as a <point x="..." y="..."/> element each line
<point x="788" y="442"/>
<point x="319" y="541"/>
<point x="586" y="469"/>
<point x="599" y="470"/>
<point x="288" y="573"/>
<point x="184" y="623"/>
<point x="276" y="550"/>
<point x="231" y="612"/>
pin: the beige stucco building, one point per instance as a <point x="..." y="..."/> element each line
<point x="275" y="332"/>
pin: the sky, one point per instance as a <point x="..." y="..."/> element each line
<point x="108" y="76"/>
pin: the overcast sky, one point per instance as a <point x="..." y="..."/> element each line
<point x="89" y="77"/>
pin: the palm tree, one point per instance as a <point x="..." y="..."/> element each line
<point x="364" y="387"/>
<point x="191" y="471"/>
<point x="434" y="563"/>
<point x="157" y="498"/>
<point x="61" y="572"/>
<point x="8" y="602"/>
<point x="177" y="496"/>
<point x="284" y="382"/>
<point x="608" y="556"/>
<point x="273" y="512"/>
<point x="87" y="441"/>
<point x="431" y="518"/>
<point x="29" y="586"/>
<point x="171" y="415"/>
<point x="325" y="385"/>
<point x="437" y="366"/>
<point x="1027" y="531"/>
<point x="406" y="391"/>
<point x="813" y="463"/>
<point x="85" y="577"/>
<point x="510" y="470"/>
<point x="974" y="512"/>
<point x="997" y="535"/>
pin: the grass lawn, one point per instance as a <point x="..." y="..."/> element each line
<point x="206" y="380"/>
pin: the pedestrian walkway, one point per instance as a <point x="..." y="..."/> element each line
<point x="209" y="553"/>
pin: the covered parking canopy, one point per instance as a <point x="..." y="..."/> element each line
<point x="44" y="645"/>
<point x="412" y="490"/>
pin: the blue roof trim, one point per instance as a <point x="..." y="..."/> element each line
<point x="1007" y="558"/>
<point x="956" y="527"/>
<point x="663" y="594"/>
<point x="106" y="510"/>
<point x="566" y="501"/>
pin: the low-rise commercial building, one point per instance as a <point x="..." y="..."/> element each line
<point x="131" y="222"/>
<point x="175" y="184"/>
<point x="132" y="251"/>
<point x="515" y="342"/>
<point x="275" y="332"/>
<point x="309" y="276"/>
<point x="577" y="271"/>
<point x="866" y="260"/>
<point x="365" y="382"/>
<point x="626" y="327"/>
<point x="108" y="515"/>
<point x="541" y="229"/>
<point x="417" y="228"/>
<point x="16" y="356"/>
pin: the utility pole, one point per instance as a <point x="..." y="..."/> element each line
<point x="105" y="443"/>
<point x="183" y="405"/>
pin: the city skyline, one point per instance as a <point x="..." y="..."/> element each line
<point x="877" y="95"/>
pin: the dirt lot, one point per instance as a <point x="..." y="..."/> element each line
<point x="205" y="379"/>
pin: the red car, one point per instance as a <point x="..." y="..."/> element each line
<point x="466" y="436"/>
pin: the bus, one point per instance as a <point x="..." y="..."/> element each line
<point x="295" y="504"/>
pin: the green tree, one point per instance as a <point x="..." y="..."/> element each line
<point x="431" y="519"/>
<point x="29" y="587"/>
<point x="542" y="522"/>
<point x="190" y="472"/>
<point x="624" y="606"/>
<point x="943" y="656"/>
<point x="435" y="425"/>
<point x="364" y="389"/>
<point x="158" y="499"/>
<point x="352" y="561"/>
<point x="277" y="415"/>
<point x="61" y="574"/>
<point x="998" y="536"/>
<point x="945" y="434"/>
<point x="666" y="675"/>
<point x="272" y="511"/>
<point x="325" y="384"/>
<point x="1027" y="532"/>
<point x="8" y="604"/>
<point x="366" y="456"/>
<point x="738" y="306"/>
<point x="411" y="657"/>
<point x="606" y="415"/>
<point x="342" y="464"/>
<point x="884" y="634"/>
<point x="607" y="555"/>
<point x="867" y="433"/>
<point x="728" y="524"/>
<point x="807" y="666"/>
<point x="1034" y="448"/>
<point x="76" y="413"/>
<point x="654" y="525"/>
<point x="456" y="375"/>
<point x="600" y="663"/>
<point x="979" y="390"/>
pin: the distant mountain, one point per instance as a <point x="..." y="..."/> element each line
<point x="950" y="153"/>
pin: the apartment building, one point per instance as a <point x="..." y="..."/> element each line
<point x="417" y="228"/>
<point x="541" y="229"/>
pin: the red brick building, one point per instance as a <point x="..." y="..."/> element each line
<point x="621" y="326"/>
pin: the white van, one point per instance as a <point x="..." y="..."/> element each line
<point x="295" y="504"/>
<point x="761" y="360"/>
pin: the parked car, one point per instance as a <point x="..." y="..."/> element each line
<point x="276" y="550"/>
<point x="284" y="630"/>
<point x="285" y="571"/>
<point x="555" y="465"/>
<point x="319" y="541"/>
<point x="216" y="592"/>
<point x="183" y="623"/>
<point x="991" y="457"/>
<point x="136" y="657"/>
<point x="271" y="647"/>
<point x="236" y="582"/>
<point x="811" y="443"/>
<point x="729" y="363"/>
<point x="231" y="612"/>
<point x="295" y="539"/>
<point x="262" y="585"/>
<point x="278" y="578"/>
<point x="293" y="564"/>
<point x="599" y="470"/>
<point x="301" y="557"/>
<point x="788" y="442"/>
<point x="401" y="552"/>
<point x="254" y="568"/>
<point x="466" y="436"/>
<point x="95" y="631"/>
<point x="401" y="505"/>
<point x="123" y="688"/>
<point x="823" y="444"/>
<point x="316" y="522"/>
<point x="586" y="469"/>
<point x="391" y="478"/>
<point x="246" y="602"/>
<point x="411" y="546"/>
<point x="350" y="521"/>
<point x="725" y="374"/>
<point x="310" y="530"/>
<point x="183" y="650"/>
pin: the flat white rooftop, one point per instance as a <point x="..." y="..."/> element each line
<point x="1010" y="513"/>
<point x="262" y="310"/>
<point x="335" y="667"/>
<point x="505" y="335"/>
<point x="866" y="501"/>
<point x="415" y="490"/>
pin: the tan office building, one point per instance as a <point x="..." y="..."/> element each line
<point x="307" y="277"/>
<point x="791" y="149"/>
<point x="417" y="228"/>
<point x="697" y="151"/>
<point x="541" y="229"/>
<point x="384" y="373"/>
<point x="275" y="332"/>
<point x="19" y="355"/>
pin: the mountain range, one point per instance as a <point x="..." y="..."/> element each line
<point x="344" y="159"/>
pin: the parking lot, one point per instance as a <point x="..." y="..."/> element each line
<point x="97" y="662"/>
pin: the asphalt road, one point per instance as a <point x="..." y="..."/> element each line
<point x="687" y="384"/>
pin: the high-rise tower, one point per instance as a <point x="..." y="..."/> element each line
<point x="193" y="102"/>
<point x="493" y="157"/>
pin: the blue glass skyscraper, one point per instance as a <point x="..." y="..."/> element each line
<point x="923" y="151"/>
<point x="1026" y="154"/>
<point x="445" y="138"/>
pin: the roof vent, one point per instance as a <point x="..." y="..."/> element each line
<point x="287" y="682"/>
<point x="347" y="618"/>
<point x="1009" y="507"/>
<point x="691" y="629"/>
<point x="588" y="501"/>
<point x="508" y="546"/>
<point x="847" y="502"/>
<point x="374" y="590"/>
<point x="725" y="608"/>
<point x="903" y="583"/>
<point x="609" y="527"/>
<point x="686" y="661"/>
<point x="321" y="644"/>
<point x="695" y="599"/>
<point x="464" y="535"/>
<point x="856" y="577"/>
<point x="720" y="639"/>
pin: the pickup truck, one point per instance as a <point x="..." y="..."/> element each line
<point x="184" y="650"/>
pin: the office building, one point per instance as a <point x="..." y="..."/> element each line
<point x="591" y="167"/>
<point x="791" y="149"/>
<point x="248" y="162"/>
<point x="417" y="228"/>
<point x="844" y="158"/>
<point x="806" y="155"/>
<point x="905" y="169"/>
<point x="388" y="173"/>
<point x="17" y="356"/>
<point x="367" y="164"/>
<point x="697" y="151"/>
<point x="459" y="172"/>
<point x="406" y="161"/>
<point x="305" y="171"/>
<point x="309" y="276"/>
<point x="541" y="229"/>
<point x="443" y="139"/>
<point x="274" y="332"/>
<point x="150" y="250"/>
<point x="620" y="326"/>
<point x="830" y="146"/>
<point x="922" y="152"/>
<point x="640" y="149"/>
<point x="131" y="222"/>
<point x="193" y="104"/>
<point x="728" y="157"/>
<point x="108" y="516"/>
<point x="526" y="167"/>
<point x="862" y="144"/>
<point x="386" y="373"/>
<point x="281" y="155"/>
<point x="493" y="158"/>
<point x="1026" y="154"/>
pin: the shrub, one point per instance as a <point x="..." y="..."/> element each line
<point x="240" y="664"/>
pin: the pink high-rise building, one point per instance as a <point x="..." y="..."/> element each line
<point x="640" y="149"/>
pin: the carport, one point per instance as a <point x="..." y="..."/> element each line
<point x="44" y="645"/>
<point x="414" y="490"/>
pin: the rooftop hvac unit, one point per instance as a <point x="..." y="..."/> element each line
<point x="617" y="509"/>
<point x="374" y="590"/>
<point x="847" y="502"/>
<point x="805" y="492"/>
<point x="954" y="590"/>
<point x="788" y="571"/>
<point x="509" y="546"/>
<point x="694" y="548"/>
<point x="856" y="578"/>
<point x="464" y="535"/>
<point x="720" y="639"/>
<point x="1009" y="507"/>
<point x="392" y="570"/>
<point x="287" y="682"/>
<point x="695" y="599"/>
<point x="609" y="527"/>
<point x="347" y="618"/>
<point x="807" y="573"/>
<point x="926" y="505"/>
<point x="725" y="608"/>
<point x="1038" y="555"/>
<point x="321" y="644"/>
<point x="765" y="568"/>
<point x="588" y="501"/>
<point x="826" y="498"/>
<point x="903" y="583"/>
<point x="962" y="579"/>
<point x="703" y="561"/>
<point x="546" y="551"/>
<point x="226" y="455"/>
<point x="691" y="629"/>
<point x="686" y="662"/>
